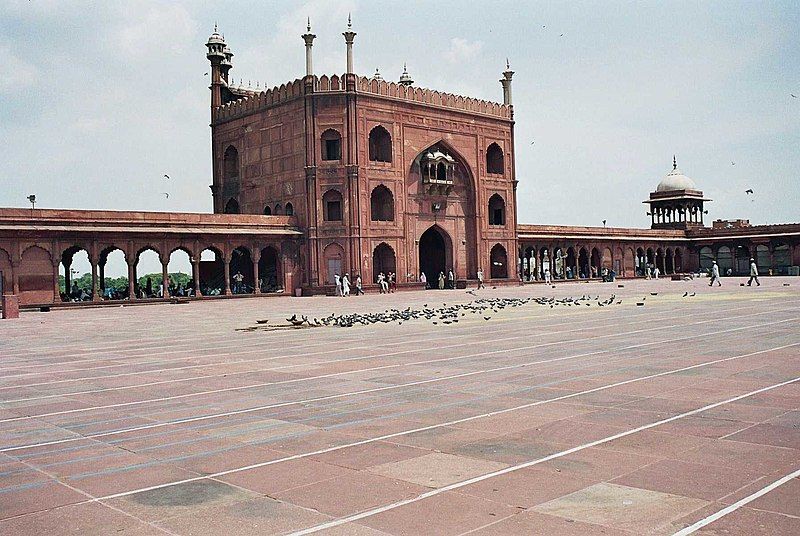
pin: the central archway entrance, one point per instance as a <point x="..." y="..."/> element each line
<point x="434" y="254"/>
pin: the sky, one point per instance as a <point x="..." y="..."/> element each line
<point x="98" y="100"/>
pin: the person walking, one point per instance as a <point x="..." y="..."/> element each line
<point x="345" y="285"/>
<point x="359" y="288"/>
<point x="338" y="281"/>
<point x="382" y="283"/>
<point x="656" y="272"/>
<point x="753" y="273"/>
<point x="714" y="275"/>
<point x="451" y="279"/>
<point x="392" y="282"/>
<point x="441" y="280"/>
<point x="480" y="279"/>
<point x="423" y="279"/>
<point x="547" y="275"/>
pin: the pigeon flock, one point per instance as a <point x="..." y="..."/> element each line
<point x="484" y="308"/>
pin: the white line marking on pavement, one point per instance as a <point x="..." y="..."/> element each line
<point x="457" y="485"/>
<point x="735" y="506"/>
<point x="384" y="367"/>
<point x="472" y="418"/>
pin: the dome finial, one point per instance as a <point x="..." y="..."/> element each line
<point x="674" y="162"/>
<point x="508" y="65"/>
<point x="349" y="22"/>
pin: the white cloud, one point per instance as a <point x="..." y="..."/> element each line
<point x="155" y="29"/>
<point x="18" y="73"/>
<point x="463" y="50"/>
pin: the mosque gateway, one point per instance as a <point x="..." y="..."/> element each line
<point x="344" y="173"/>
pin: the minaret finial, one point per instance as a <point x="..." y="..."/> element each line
<point x="674" y="163"/>
<point x="508" y="65"/>
<point x="215" y="26"/>
<point x="308" y="26"/>
<point x="349" y="22"/>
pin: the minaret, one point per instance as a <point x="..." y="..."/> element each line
<point x="226" y="64"/>
<point x="308" y="37"/>
<point x="405" y="78"/>
<point x="506" y="82"/>
<point x="349" y="36"/>
<point x="216" y="55"/>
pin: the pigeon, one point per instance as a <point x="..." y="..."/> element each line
<point x="165" y="194"/>
<point x="292" y="318"/>
<point x="166" y="176"/>
<point x="749" y="191"/>
<point x="733" y="163"/>
<point x="261" y="321"/>
<point x="685" y="294"/>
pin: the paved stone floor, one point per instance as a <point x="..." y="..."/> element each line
<point x="678" y="415"/>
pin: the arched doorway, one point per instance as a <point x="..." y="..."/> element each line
<point x="596" y="261"/>
<point x="241" y="271"/>
<point x="583" y="263"/>
<point x="434" y="254"/>
<point x="268" y="270"/>
<point x="383" y="261"/>
<point x="499" y="262"/>
<point x="742" y="255"/>
<point x="212" y="272"/>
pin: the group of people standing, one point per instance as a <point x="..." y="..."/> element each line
<point x="343" y="285"/>
<point x="387" y="282"/>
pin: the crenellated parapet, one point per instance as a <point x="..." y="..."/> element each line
<point x="256" y="101"/>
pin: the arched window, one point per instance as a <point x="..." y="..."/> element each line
<point x="230" y="163"/>
<point x="232" y="206"/>
<point x="289" y="209"/>
<point x="441" y="172"/>
<point x="267" y="211"/>
<point x="497" y="210"/>
<point x="499" y="262"/>
<point x="331" y="145"/>
<point x="380" y="145"/>
<point x="381" y="204"/>
<point x="278" y="210"/>
<point x="494" y="159"/>
<point x="332" y="206"/>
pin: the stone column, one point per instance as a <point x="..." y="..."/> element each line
<point x="256" y="286"/>
<point x="165" y="278"/>
<point x="132" y="280"/>
<point x="227" y="287"/>
<point x="56" y="286"/>
<point x="95" y="285"/>
<point x="196" y="275"/>
<point x="15" y="278"/>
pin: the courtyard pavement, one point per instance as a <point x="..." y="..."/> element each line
<point x="677" y="416"/>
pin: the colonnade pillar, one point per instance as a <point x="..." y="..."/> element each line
<point x="256" y="286"/>
<point x="132" y="280"/>
<point x="227" y="287"/>
<point x="95" y="286"/>
<point x="165" y="279"/>
<point x="196" y="275"/>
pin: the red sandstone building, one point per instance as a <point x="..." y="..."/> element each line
<point x="344" y="173"/>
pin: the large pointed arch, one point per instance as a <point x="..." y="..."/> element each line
<point x="435" y="253"/>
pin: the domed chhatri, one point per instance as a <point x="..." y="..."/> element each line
<point x="677" y="202"/>
<point x="675" y="180"/>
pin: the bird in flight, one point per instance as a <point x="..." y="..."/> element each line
<point x="166" y="194"/>
<point x="733" y="163"/>
<point x="793" y="95"/>
<point x="749" y="191"/>
<point x="533" y="142"/>
<point x="166" y="176"/>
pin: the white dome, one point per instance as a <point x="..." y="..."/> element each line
<point x="675" y="180"/>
